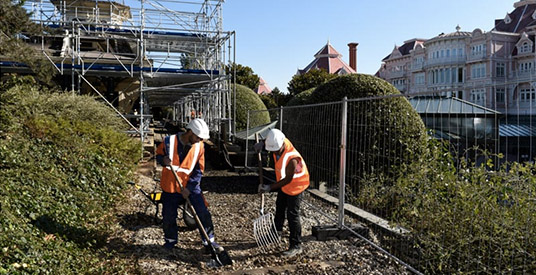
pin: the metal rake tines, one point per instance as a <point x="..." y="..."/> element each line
<point x="265" y="232"/>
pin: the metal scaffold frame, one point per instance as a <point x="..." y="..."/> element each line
<point x="142" y="54"/>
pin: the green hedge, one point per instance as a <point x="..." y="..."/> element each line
<point x="63" y="165"/>
<point x="384" y="135"/>
<point x="247" y="99"/>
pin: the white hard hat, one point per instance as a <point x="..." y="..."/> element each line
<point x="199" y="128"/>
<point x="274" y="140"/>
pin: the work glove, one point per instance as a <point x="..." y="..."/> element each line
<point x="166" y="161"/>
<point x="258" y="146"/>
<point x="264" y="188"/>
<point x="185" y="193"/>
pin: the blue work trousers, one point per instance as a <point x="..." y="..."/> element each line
<point x="170" y="204"/>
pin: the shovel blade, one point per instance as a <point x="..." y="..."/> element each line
<point x="223" y="258"/>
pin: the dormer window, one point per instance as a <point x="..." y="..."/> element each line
<point x="507" y="19"/>
<point x="525" y="48"/>
<point x="534" y="15"/>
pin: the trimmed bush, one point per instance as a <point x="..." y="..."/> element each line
<point x="384" y="135"/>
<point x="301" y="98"/>
<point x="247" y="99"/>
<point x="63" y="166"/>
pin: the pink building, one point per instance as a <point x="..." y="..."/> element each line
<point x="263" y="87"/>
<point x="495" y="69"/>
<point x="330" y="60"/>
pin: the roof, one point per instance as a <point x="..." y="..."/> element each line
<point x="521" y="18"/>
<point x="448" y="105"/>
<point x="330" y="60"/>
<point x="406" y="48"/>
<point x="263" y="87"/>
<point x="516" y="130"/>
<point x="457" y="34"/>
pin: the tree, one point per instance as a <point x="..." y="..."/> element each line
<point x="308" y="80"/>
<point x="244" y="75"/>
<point x="280" y="98"/>
<point x="15" y="26"/>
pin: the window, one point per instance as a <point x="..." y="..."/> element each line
<point x="453" y="52"/>
<point x="525" y="48"/>
<point x="478" y="70"/>
<point x="500" y="95"/>
<point x="527" y="95"/>
<point x="419" y="79"/>
<point x="500" y="70"/>
<point x="478" y="50"/>
<point x="525" y="66"/>
<point x="460" y="75"/>
<point x="478" y="96"/>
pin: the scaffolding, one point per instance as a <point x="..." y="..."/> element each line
<point x="140" y="54"/>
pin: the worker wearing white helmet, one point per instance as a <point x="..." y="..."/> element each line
<point x="184" y="153"/>
<point x="292" y="179"/>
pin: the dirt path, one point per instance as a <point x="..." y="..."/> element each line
<point x="234" y="205"/>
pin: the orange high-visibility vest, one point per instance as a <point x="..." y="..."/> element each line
<point x="300" y="181"/>
<point x="183" y="167"/>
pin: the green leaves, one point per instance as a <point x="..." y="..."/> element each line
<point x="63" y="161"/>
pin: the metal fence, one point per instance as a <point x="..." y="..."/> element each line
<point x="443" y="184"/>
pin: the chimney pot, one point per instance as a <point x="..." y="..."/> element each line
<point x="352" y="47"/>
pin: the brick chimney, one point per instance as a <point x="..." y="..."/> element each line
<point x="352" y="47"/>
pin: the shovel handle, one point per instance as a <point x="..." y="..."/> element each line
<point x="191" y="207"/>
<point x="259" y="158"/>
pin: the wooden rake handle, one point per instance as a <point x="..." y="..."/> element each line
<point x="259" y="158"/>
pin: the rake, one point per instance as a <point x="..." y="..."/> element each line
<point x="264" y="229"/>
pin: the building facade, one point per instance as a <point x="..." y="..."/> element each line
<point x="494" y="69"/>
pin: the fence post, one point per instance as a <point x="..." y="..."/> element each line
<point x="342" y="164"/>
<point x="247" y="138"/>
<point x="281" y="118"/>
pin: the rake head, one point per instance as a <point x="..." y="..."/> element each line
<point x="265" y="232"/>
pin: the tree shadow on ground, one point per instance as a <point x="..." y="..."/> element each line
<point x="158" y="252"/>
<point x="230" y="184"/>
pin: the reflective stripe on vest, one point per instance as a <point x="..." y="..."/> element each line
<point x="285" y="159"/>
<point x="176" y="168"/>
<point x="171" y="152"/>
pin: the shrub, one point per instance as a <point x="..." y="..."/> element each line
<point x="473" y="219"/>
<point x="384" y="134"/>
<point x="247" y="99"/>
<point x="63" y="165"/>
<point x="301" y="98"/>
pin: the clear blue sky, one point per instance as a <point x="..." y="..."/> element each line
<point x="276" y="37"/>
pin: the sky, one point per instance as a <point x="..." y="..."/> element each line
<point x="277" y="37"/>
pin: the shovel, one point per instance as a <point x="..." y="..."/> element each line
<point x="220" y="258"/>
<point x="264" y="229"/>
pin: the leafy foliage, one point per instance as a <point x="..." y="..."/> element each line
<point x="15" y="24"/>
<point x="63" y="165"/>
<point x="311" y="79"/>
<point x="244" y="75"/>
<point x="470" y="219"/>
<point x="383" y="136"/>
<point x="247" y="99"/>
<point x="268" y="101"/>
<point x="302" y="98"/>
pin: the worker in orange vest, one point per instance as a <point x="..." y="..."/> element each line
<point x="292" y="179"/>
<point x="184" y="153"/>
